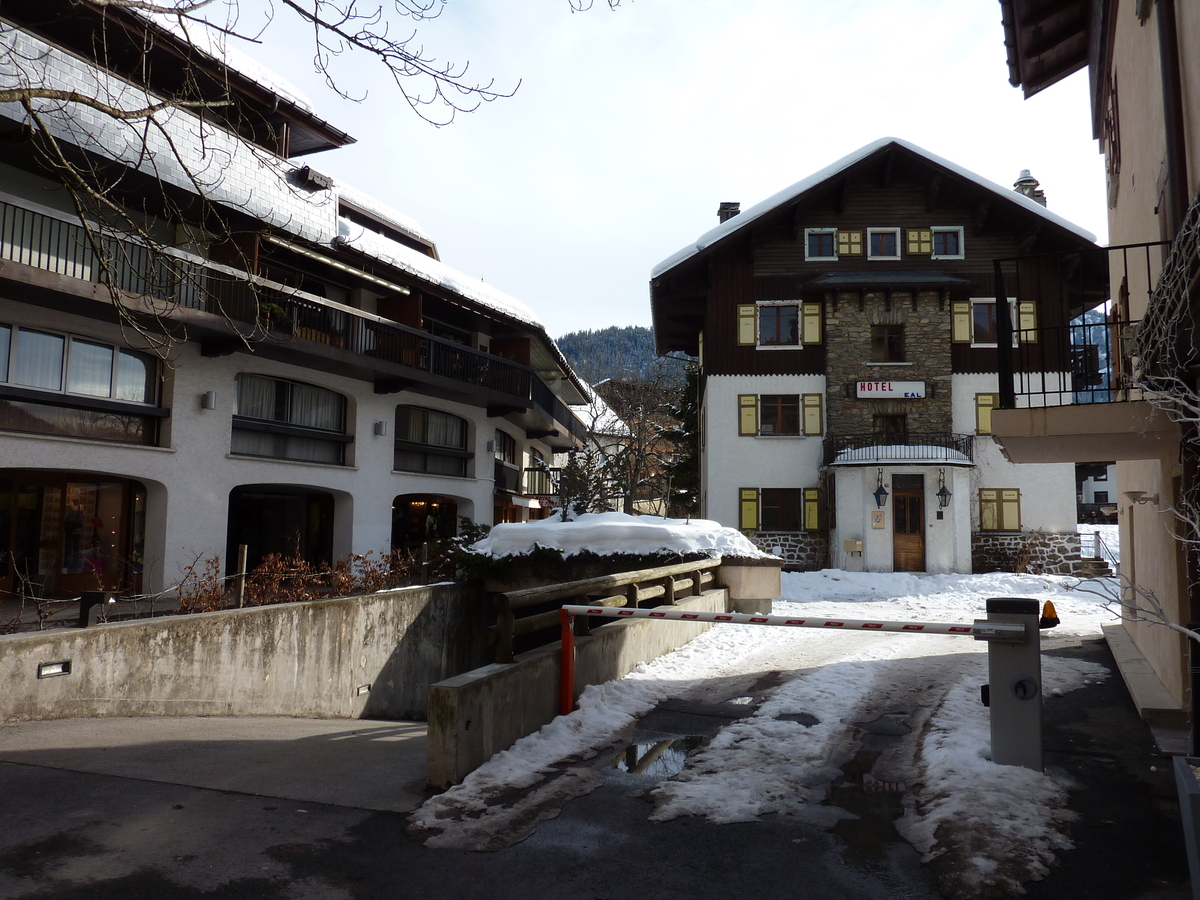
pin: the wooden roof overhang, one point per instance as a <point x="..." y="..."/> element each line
<point x="873" y="280"/>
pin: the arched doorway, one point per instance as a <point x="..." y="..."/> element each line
<point x="418" y="518"/>
<point x="279" y="518"/>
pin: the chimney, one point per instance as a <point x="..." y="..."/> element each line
<point x="1028" y="185"/>
<point x="728" y="209"/>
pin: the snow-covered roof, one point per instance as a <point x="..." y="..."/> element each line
<point x="393" y="253"/>
<point x="598" y="416"/>
<point x="377" y="207"/>
<point x="743" y="219"/>
<point x="614" y="532"/>
<point x="903" y="454"/>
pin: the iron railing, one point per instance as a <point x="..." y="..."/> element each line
<point x="1082" y="349"/>
<point x="508" y="477"/>
<point x="941" y="446"/>
<point x="541" y="482"/>
<point x="50" y="241"/>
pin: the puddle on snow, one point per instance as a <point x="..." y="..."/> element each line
<point x="657" y="759"/>
<point x="876" y="803"/>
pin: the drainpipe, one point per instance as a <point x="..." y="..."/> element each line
<point x="1172" y="94"/>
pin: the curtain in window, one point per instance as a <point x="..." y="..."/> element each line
<point x="446" y="431"/>
<point x="38" y="360"/>
<point x="255" y="397"/>
<point x="136" y="374"/>
<point x="410" y="425"/>
<point x="314" y="407"/>
<point x="89" y="369"/>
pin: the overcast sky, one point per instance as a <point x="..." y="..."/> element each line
<point x="630" y="126"/>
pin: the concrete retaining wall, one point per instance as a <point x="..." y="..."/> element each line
<point x="297" y="659"/>
<point x="477" y="714"/>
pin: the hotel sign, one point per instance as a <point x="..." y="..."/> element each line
<point x="892" y="390"/>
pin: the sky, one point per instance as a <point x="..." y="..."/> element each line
<point x="629" y="126"/>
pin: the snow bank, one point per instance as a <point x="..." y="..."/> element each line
<point x="617" y="533"/>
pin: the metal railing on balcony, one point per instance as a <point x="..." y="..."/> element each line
<point x="1082" y="346"/>
<point x="925" y="447"/>
<point x="508" y="477"/>
<point x="541" y="482"/>
<point x="48" y="240"/>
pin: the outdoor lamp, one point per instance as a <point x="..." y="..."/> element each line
<point x="881" y="493"/>
<point x="942" y="494"/>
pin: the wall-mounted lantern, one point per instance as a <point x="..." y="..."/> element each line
<point x="881" y="493"/>
<point x="943" y="494"/>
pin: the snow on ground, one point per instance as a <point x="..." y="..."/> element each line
<point x="1000" y="823"/>
<point x="614" y="533"/>
<point x="1109" y="534"/>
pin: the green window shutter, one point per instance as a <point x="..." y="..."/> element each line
<point x="960" y="313"/>
<point x="984" y="404"/>
<point x="1010" y="509"/>
<point x="748" y="509"/>
<point x="747" y="414"/>
<point x="747" y="328"/>
<point x="812" y="509"/>
<point x="919" y="241"/>
<point x="1027" y="321"/>
<point x="811" y="410"/>
<point x="989" y="510"/>
<point x="850" y="243"/>
<point x="811" y="319"/>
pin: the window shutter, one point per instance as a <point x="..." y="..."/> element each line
<point x="989" y="510"/>
<point x="747" y="333"/>
<point x="811" y="317"/>
<point x="850" y="243"/>
<point x="984" y="404"/>
<point x="747" y="414"/>
<point x="1027" y="321"/>
<point x="748" y="511"/>
<point x="1010" y="509"/>
<point x="960" y="312"/>
<point x="811" y="407"/>
<point x="812" y="509"/>
<point x="700" y="349"/>
<point x="920" y="241"/>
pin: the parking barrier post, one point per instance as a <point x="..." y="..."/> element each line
<point x="1014" y="682"/>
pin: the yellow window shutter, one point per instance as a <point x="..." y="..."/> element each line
<point x="960" y="312"/>
<point x="747" y="325"/>
<point x="1027" y="321"/>
<point x="850" y="243"/>
<point x="989" y="510"/>
<point x="1010" y="509"/>
<point x="748" y="513"/>
<point x="984" y="404"/>
<point x="919" y="241"/>
<point x="747" y="414"/>
<point x="811" y="315"/>
<point x="811" y="405"/>
<point x="812" y="509"/>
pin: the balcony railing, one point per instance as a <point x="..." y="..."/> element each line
<point x="508" y="477"/>
<point x="926" y="447"/>
<point x="50" y="241"/>
<point x="541" y="482"/>
<point x="1084" y="350"/>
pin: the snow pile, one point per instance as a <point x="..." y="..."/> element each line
<point x="901" y="453"/>
<point x="989" y="827"/>
<point x="617" y="533"/>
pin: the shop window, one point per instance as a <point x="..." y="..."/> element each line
<point x="420" y="518"/>
<point x="430" y="441"/>
<point x="288" y="420"/>
<point x="105" y="392"/>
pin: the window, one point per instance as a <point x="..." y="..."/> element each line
<point x="779" y="509"/>
<point x="887" y="343"/>
<point x="779" y="414"/>
<point x="984" y="404"/>
<point x="1100" y="497"/>
<point x="975" y="321"/>
<point x="890" y="429"/>
<point x="948" y="243"/>
<point x="288" y="420"/>
<point x="104" y="386"/>
<point x="430" y="441"/>
<point x="883" y="243"/>
<point x="506" y="447"/>
<point x="820" y="244"/>
<point x="999" y="509"/>
<point x="778" y="325"/>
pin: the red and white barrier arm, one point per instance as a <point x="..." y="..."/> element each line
<point x="979" y="629"/>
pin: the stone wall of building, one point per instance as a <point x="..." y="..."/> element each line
<point x="806" y="551"/>
<point x="1038" y="552"/>
<point x="849" y="316"/>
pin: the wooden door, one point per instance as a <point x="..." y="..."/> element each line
<point x="908" y="523"/>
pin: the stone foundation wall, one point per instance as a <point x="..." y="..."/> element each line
<point x="1037" y="552"/>
<point x="807" y="551"/>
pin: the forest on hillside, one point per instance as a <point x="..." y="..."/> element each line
<point x="624" y="353"/>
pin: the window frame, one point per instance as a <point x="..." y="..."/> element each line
<point x="772" y="304"/>
<point x="781" y="510"/>
<point x="947" y="229"/>
<point x="997" y="500"/>
<point x="64" y="367"/>
<point x="991" y="301"/>
<point x="892" y="330"/>
<point x="780" y="400"/>
<point x="428" y="449"/>
<point x="811" y="232"/>
<point x="871" y="232"/>
<point x="245" y="423"/>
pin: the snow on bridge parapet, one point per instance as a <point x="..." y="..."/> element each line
<point x="616" y="533"/>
